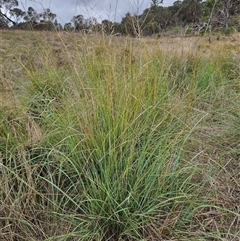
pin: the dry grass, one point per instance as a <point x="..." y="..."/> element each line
<point x="209" y="110"/>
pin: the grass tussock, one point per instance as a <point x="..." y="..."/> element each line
<point x="111" y="138"/>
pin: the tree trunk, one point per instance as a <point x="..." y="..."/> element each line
<point x="227" y="5"/>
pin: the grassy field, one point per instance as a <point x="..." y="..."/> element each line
<point x="113" y="138"/>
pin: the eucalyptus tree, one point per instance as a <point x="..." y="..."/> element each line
<point x="229" y="7"/>
<point x="221" y="10"/>
<point x="155" y="3"/>
<point x="31" y="16"/>
<point x="174" y="9"/>
<point x="226" y="10"/>
<point x="78" y="22"/>
<point x="235" y="7"/>
<point x="68" y="26"/>
<point x="47" y="20"/>
<point x="5" y="7"/>
<point x="47" y="15"/>
<point x="17" y="14"/>
<point x="128" y="24"/>
<point x="107" y="26"/>
<point x="190" y="11"/>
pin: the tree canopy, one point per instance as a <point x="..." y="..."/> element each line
<point x="153" y="20"/>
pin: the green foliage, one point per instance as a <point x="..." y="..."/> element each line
<point x="229" y="30"/>
<point x="155" y="3"/>
<point x="124" y="145"/>
<point x="238" y="28"/>
<point x="217" y="30"/>
<point x="188" y="31"/>
<point x="176" y="29"/>
<point x="152" y="21"/>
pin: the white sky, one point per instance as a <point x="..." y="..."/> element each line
<point x="113" y="10"/>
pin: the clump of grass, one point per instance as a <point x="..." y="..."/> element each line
<point x="125" y="147"/>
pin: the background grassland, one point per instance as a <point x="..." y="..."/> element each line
<point x="112" y="138"/>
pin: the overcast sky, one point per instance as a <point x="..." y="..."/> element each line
<point x="113" y="10"/>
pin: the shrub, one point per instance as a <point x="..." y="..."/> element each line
<point x="229" y="30"/>
<point x="188" y="31"/>
<point x="176" y="29"/>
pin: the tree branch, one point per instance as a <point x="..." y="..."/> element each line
<point x="9" y="19"/>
